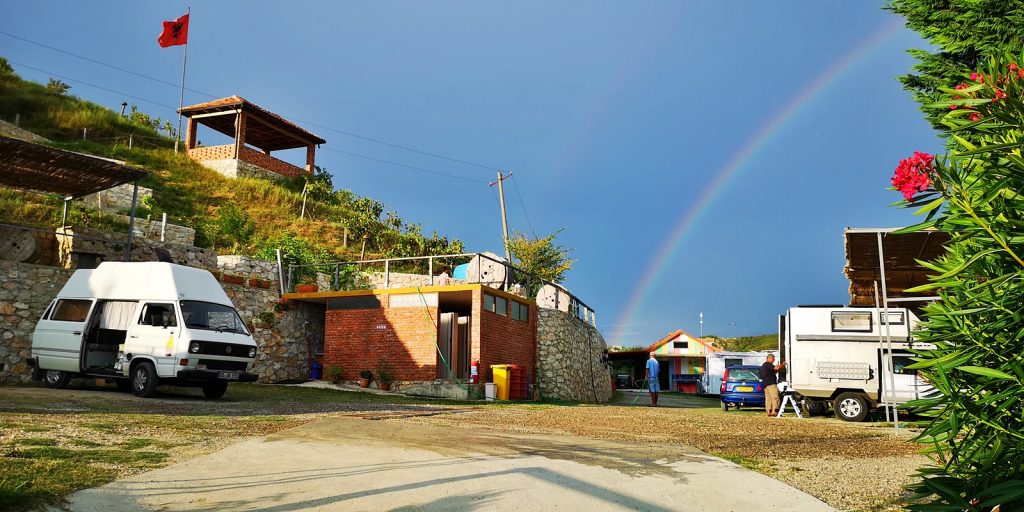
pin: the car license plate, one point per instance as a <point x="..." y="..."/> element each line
<point x="744" y="388"/>
<point x="228" y="375"/>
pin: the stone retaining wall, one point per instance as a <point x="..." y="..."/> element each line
<point x="248" y="267"/>
<point x="109" y="246"/>
<point x="570" y="359"/>
<point x="116" y="199"/>
<point x="25" y="292"/>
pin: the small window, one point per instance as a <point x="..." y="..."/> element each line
<point x="501" y="306"/>
<point x="515" y="310"/>
<point x="520" y="311"/>
<point x="732" y="361"/>
<point x="161" y="315"/>
<point x="851" y="321"/>
<point x="71" y="310"/>
<point x="489" y="303"/>
<point x="892" y="318"/>
<point x="900" y="364"/>
<point x="681" y="345"/>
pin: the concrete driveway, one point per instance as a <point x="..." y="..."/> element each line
<point x="349" y="463"/>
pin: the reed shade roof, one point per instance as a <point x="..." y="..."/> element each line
<point x="263" y="128"/>
<point x="901" y="253"/>
<point x="26" y="165"/>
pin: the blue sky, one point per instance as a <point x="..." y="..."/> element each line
<point x="614" y="117"/>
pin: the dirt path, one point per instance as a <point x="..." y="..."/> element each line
<point x="344" y="463"/>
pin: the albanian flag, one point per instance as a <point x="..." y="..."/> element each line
<point x="175" y="32"/>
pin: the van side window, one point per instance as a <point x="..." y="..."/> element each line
<point x="71" y="310"/>
<point x="159" y="315"/>
<point x="851" y="321"/>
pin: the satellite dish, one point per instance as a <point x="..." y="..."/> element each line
<point x="16" y="244"/>
<point x="489" y="271"/>
<point x="549" y="294"/>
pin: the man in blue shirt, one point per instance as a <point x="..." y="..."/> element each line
<point x="652" y="379"/>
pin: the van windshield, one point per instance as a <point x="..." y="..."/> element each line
<point x="214" y="317"/>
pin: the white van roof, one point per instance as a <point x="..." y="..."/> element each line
<point x="145" y="281"/>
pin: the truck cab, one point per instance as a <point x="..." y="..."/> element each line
<point x="142" y="325"/>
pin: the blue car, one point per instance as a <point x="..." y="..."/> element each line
<point x="741" y="385"/>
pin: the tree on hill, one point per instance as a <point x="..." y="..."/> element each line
<point x="967" y="34"/>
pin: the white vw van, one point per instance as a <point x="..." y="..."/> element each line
<point x="143" y="324"/>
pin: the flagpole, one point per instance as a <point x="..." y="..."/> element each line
<point x="181" y="98"/>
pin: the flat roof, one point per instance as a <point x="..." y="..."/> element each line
<point x="31" y="166"/>
<point x="266" y="130"/>
<point x="324" y="297"/>
<point x="901" y="253"/>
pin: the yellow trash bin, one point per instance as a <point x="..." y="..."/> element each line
<point x="502" y="379"/>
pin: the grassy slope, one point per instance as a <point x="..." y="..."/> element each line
<point x="190" y="194"/>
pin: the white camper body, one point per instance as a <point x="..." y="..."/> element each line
<point x="717" y="362"/>
<point x="839" y="356"/>
<point x="143" y="324"/>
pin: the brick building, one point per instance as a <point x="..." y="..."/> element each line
<point x="251" y="126"/>
<point x="429" y="334"/>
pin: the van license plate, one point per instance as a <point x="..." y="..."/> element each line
<point x="744" y="388"/>
<point x="228" y="375"/>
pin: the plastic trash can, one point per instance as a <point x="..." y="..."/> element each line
<point x="490" y="390"/>
<point x="502" y="376"/>
<point x="316" y="370"/>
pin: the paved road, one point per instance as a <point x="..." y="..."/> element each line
<point x="354" y="464"/>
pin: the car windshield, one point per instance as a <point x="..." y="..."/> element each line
<point x="214" y="317"/>
<point x="743" y="374"/>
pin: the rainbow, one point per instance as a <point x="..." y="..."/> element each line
<point x="663" y="256"/>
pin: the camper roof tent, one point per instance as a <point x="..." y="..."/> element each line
<point x="146" y="281"/>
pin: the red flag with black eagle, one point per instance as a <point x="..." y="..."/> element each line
<point x="175" y="32"/>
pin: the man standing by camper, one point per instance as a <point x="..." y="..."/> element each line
<point x="652" y="379"/>
<point x="770" y="383"/>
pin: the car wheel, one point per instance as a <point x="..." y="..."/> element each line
<point x="725" y="406"/>
<point x="215" y="389"/>
<point x="851" y="406"/>
<point x="144" y="379"/>
<point x="56" y="379"/>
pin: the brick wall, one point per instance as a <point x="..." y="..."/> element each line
<point x="358" y="339"/>
<point x="212" y="152"/>
<point x="268" y="162"/>
<point x="502" y="340"/>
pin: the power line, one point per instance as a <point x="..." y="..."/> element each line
<point x="83" y="82"/>
<point x="430" y="171"/>
<point x="523" y="204"/>
<point x="421" y="169"/>
<point x="175" y="85"/>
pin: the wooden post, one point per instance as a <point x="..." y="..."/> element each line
<point x="310" y="158"/>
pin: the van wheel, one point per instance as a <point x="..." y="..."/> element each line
<point x="851" y="406"/>
<point x="815" y="407"/>
<point x="56" y="379"/>
<point x="215" y="389"/>
<point x="144" y="379"/>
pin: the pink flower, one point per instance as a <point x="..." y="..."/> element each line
<point x="975" y="116"/>
<point x="952" y="107"/>
<point x="977" y="77"/>
<point x="913" y="174"/>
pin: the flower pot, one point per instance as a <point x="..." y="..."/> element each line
<point x="232" y="279"/>
<point x="364" y="383"/>
<point x="383" y="386"/>
<point x="306" y="288"/>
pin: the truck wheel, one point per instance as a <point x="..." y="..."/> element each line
<point x="215" y="389"/>
<point x="144" y="379"/>
<point x="851" y="406"/>
<point x="56" y="379"/>
<point x="815" y="407"/>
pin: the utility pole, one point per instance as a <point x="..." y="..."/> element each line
<point x="504" y="220"/>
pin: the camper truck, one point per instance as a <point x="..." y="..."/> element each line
<point x="142" y="325"/>
<point x="840" y="357"/>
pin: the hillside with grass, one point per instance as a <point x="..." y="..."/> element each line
<point x="232" y="216"/>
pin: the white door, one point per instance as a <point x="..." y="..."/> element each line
<point x="57" y="341"/>
<point x="905" y="381"/>
<point x="155" y="333"/>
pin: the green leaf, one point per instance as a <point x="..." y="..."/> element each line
<point x="930" y="206"/>
<point x="986" y="372"/>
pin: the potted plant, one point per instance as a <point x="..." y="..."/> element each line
<point x="365" y="376"/>
<point x="334" y="374"/>
<point x="384" y="376"/>
<point x="306" y="287"/>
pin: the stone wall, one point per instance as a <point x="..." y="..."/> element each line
<point x="248" y="267"/>
<point x="570" y="359"/>
<point x="25" y="292"/>
<point x="117" y="199"/>
<point x="107" y="246"/>
<point x="175" y="234"/>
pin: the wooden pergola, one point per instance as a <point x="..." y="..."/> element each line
<point x="248" y="123"/>
<point x="30" y="166"/>
<point x="899" y="253"/>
